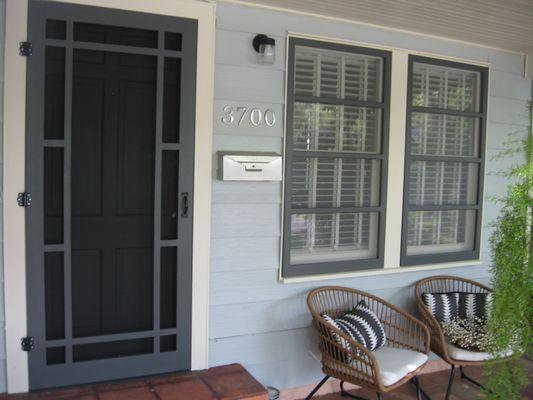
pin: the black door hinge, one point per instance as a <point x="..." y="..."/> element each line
<point x="27" y="343"/>
<point x="25" y="49"/>
<point x="24" y="199"/>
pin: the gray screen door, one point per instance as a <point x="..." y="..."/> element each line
<point x="110" y="144"/>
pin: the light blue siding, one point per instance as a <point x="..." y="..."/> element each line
<point x="244" y="83"/>
<point x="255" y="319"/>
<point x="508" y="111"/>
<point x="242" y="254"/>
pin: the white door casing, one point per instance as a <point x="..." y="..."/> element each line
<point x="14" y="173"/>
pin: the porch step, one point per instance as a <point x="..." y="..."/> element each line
<point x="228" y="382"/>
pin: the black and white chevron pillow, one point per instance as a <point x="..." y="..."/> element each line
<point x="443" y="306"/>
<point x="360" y="324"/>
<point x="473" y="304"/>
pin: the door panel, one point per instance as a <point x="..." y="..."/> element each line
<point x="113" y="219"/>
<point x="110" y="144"/>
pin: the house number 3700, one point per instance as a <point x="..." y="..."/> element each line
<point x="254" y="116"/>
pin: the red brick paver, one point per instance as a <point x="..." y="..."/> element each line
<point x="435" y="385"/>
<point x="230" y="382"/>
<point x="233" y="382"/>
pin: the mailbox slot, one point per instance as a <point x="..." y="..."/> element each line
<point x="249" y="166"/>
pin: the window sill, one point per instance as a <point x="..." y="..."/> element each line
<point x="381" y="271"/>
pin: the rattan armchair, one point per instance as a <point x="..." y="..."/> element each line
<point x="439" y="345"/>
<point x="358" y="365"/>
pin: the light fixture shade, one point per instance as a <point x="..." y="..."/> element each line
<point x="265" y="48"/>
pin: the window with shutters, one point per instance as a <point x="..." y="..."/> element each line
<point x="446" y="118"/>
<point x="335" y="157"/>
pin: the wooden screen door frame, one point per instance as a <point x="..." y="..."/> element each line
<point x="14" y="172"/>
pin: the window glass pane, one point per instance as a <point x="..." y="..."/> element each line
<point x="438" y="183"/>
<point x="172" y="41"/>
<point x="168" y="290"/>
<point x="327" y="73"/>
<point x="167" y="343"/>
<point x="445" y="87"/>
<point x="335" y="182"/>
<point x="444" y="135"/>
<point x="321" y="127"/>
<point x="54" y="93"/>
<point x="56" y="29"/>
<point x="333" y="237"/>
<point x="53" y="195"/>
<point x="440" y="231"/>
<point x="54" y="295"/>
<point x="169" y="194"/>
<point x="116" y="349"/>
<point x="171" y="100"/>
<point x="55" y="355"/>
<point x="96" y="33"/>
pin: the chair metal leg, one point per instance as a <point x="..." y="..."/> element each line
<point x="317" y="387"/>
<point x="419" y="391"/>
<point x="417" y="385"/>
<point x="352" y="396"/>
<point x="471" y="380"/>
<point x="450" y="383"/>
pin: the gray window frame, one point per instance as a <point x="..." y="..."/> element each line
<point x="434" y="258"/>
<point x="288" y="270"/>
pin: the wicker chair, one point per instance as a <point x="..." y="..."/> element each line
<point x="358" y="365"/>
<point x="445" y="350"/>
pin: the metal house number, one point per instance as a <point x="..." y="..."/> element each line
<point x="254" y="116"/>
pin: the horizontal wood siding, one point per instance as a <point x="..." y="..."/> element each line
<point x="255" y="319"/>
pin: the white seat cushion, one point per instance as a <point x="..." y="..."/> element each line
<point x="466" y="355"/>
<point x="394" y="364"/>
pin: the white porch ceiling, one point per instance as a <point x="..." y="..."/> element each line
<point x="503" y="24"/>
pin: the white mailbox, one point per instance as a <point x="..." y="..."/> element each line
<point x="248" y="166"/>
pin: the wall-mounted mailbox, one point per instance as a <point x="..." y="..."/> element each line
<point x="248" y="166"/>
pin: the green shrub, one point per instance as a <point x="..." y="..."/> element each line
<point x="510" y="325"/>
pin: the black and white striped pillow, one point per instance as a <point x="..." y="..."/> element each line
<point x="360" y="324"/>
<point x="473" y="304"/>
<point x="443" y="306"/>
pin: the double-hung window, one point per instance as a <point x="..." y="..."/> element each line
<point x="446" y="119"/>
<point x="335" y="157"/>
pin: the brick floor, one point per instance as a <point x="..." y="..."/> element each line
<point x="230" y="382"/>
<point x="435" y="385"/>
<point x="233" y="382"/>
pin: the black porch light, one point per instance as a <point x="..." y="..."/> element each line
<point x="265" y="48"/>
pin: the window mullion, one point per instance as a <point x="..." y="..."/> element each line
<point x="396" y="163"/>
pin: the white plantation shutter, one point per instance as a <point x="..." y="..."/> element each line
<point x="334" y="201"/>
<point x="325" y="73"/>
<point x="445" y="87"/>
<point x="444" y="159"/>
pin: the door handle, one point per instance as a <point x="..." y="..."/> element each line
<point x="184" y="204"/>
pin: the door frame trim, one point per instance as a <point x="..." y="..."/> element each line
<point x="14" y="174"/>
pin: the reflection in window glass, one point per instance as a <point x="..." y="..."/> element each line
<point x="444" y="87"/>
<point x="333" y="237"/>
